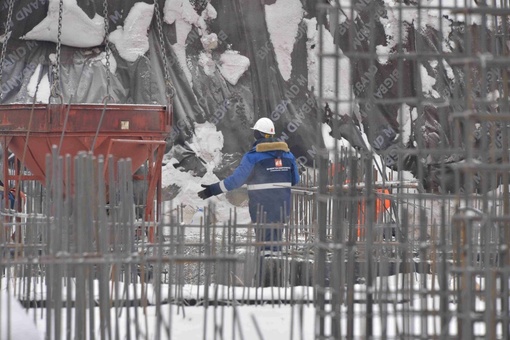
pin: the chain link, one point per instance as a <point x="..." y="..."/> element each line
<point x="107" y="49"/>
<point x="169" y="88"/>
<point x="55" y="88"/>
<point x="8" y="32"/>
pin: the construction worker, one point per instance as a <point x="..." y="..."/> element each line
<point x="269" y="169"/>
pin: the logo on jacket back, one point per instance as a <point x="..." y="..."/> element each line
<point x="278" y="162"/>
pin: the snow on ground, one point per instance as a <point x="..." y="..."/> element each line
<point x="397" y="302"/>
<point x="15" y="322"/>
<point x="262" y="322"/>
<point x="394" y="287"/>
<point x="78" y="29"/>
<point x="282" y="19"/>
<point x="224" y="322"/>
<point x="132" y="40"/>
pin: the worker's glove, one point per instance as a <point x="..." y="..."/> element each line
<point x="206" y="193"/>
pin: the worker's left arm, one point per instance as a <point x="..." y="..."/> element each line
<point x="237" y="179"/>
<point x="240" y="175"/>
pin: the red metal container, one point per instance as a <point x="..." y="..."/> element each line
<point x="123" y="131"/>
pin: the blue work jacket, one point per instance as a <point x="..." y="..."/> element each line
<point x="269" y="169"/>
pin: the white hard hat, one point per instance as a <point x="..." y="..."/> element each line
<point x="264" y="125"/>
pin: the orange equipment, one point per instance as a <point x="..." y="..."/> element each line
<point x="381" y="204"/>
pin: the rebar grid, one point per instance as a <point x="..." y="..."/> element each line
<point x="379" y="250"/>
<point x="84" y="254"/>
<point x="420" y="93"/>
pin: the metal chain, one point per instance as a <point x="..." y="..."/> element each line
<point x="107" y="49"/>
<point x="55" y="88"/>
<point x="169" y="88"/>
<point x="8" y="32"/>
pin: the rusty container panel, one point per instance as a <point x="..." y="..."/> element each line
<point x="31" y="131"/>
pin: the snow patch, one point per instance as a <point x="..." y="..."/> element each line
<point x="207" y="144"/>
<point x="209" y="41"/>
<point x="283" y="18"/>
<point x="493" y="98"/>
<point x="345" y="13"/>
<point x="383" y="53"/>
<point x="448" y="69"/>
<point x="329" y="83"/>
<point x="448" y="5"/>
<point x="421" y="19"/>
<point x="311" y="48"/>
<point x="209" y="12"/>
<point x="183" y="15"/>
<point x="428" y="82"/>
<point x="207" y="63"/>
<point x="406" y="118"/>
<point x="334" y="144"/>
<point x="78" y="30"/>
<point x="179" y="11"/>
<point x="233" y="65"/>
<point x="43" y="92"/>
<point x="132" y="40"/>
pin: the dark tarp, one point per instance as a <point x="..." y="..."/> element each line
<point x="233" y="109"/>
<point x="381" y="89"/>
